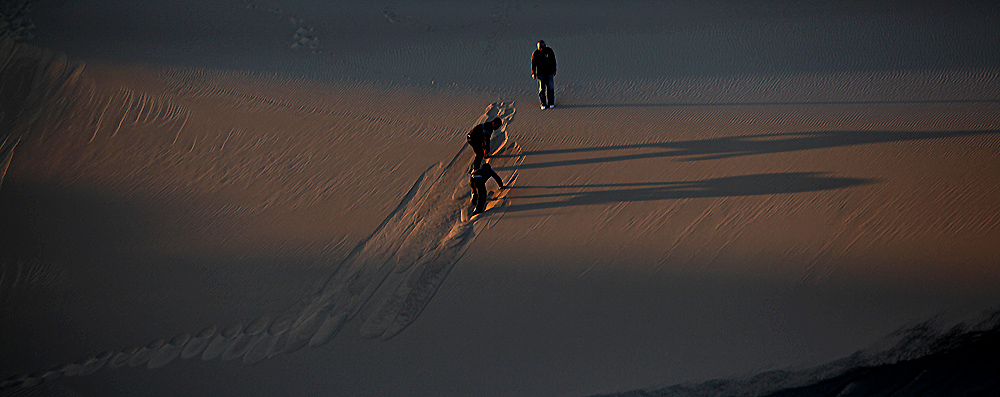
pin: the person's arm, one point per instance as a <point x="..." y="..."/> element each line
<point x="534" y="64"/>
<point x="553" y="62"/>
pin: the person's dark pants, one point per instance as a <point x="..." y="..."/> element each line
<point x="480" y="150"/>
<point x="479" y="194"/>
<point x="547" y="89"/>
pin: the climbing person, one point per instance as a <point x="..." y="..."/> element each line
<point x="543" y="69"/>
<point x="478" y="180"/>
<point x="479" y="139"/>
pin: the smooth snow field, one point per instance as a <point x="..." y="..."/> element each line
<point x="730" y="198"/>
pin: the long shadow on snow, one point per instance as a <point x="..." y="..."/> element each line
<point x="735" y="186"/>
<point x="736" y="146"/>
<point x="776" y="103"/>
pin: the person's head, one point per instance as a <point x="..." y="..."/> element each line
<point x="485" y="166"/>
<point x="541" y="44"/>
<point x="496" y="123"/>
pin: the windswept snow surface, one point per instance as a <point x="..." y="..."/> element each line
<point x="263" y="198"/>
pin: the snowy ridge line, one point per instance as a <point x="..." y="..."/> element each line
<point x="920" y="360"/>
<point x="402" y="263"/>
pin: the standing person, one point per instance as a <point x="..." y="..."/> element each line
<point x="543" y="69"/>
<point x="478" y="181"/>
<point x="479" y="139"/>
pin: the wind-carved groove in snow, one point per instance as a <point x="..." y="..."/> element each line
<point x="402" y="264"/>
<point x="200" y="84"/>
<point x="19" y="275"/>
<point x="201" y="89"/>
<point x="113" y="112"/>
<point x="6" y="154"/>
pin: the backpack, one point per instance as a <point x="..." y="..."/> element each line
<point x="477" y="135"/>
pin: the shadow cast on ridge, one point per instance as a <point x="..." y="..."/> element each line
<point x="735" y="186"/>
<point x="736" y="146"/>
<point x="959" y="361"/>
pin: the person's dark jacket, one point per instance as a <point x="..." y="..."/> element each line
<point x="543" y="62"/>
<point x="480" y="135"/>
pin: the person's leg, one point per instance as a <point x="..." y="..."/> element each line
<point x="480" y="153"/>
<point x="550" y="88"/>
<point x="541" y="90"/>
<point x="481" y="195"/>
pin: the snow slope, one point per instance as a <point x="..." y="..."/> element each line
<point x="197" y="191"/>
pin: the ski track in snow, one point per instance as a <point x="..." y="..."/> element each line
<point x="392" y="275"/>
<point x="403" y="263"/>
